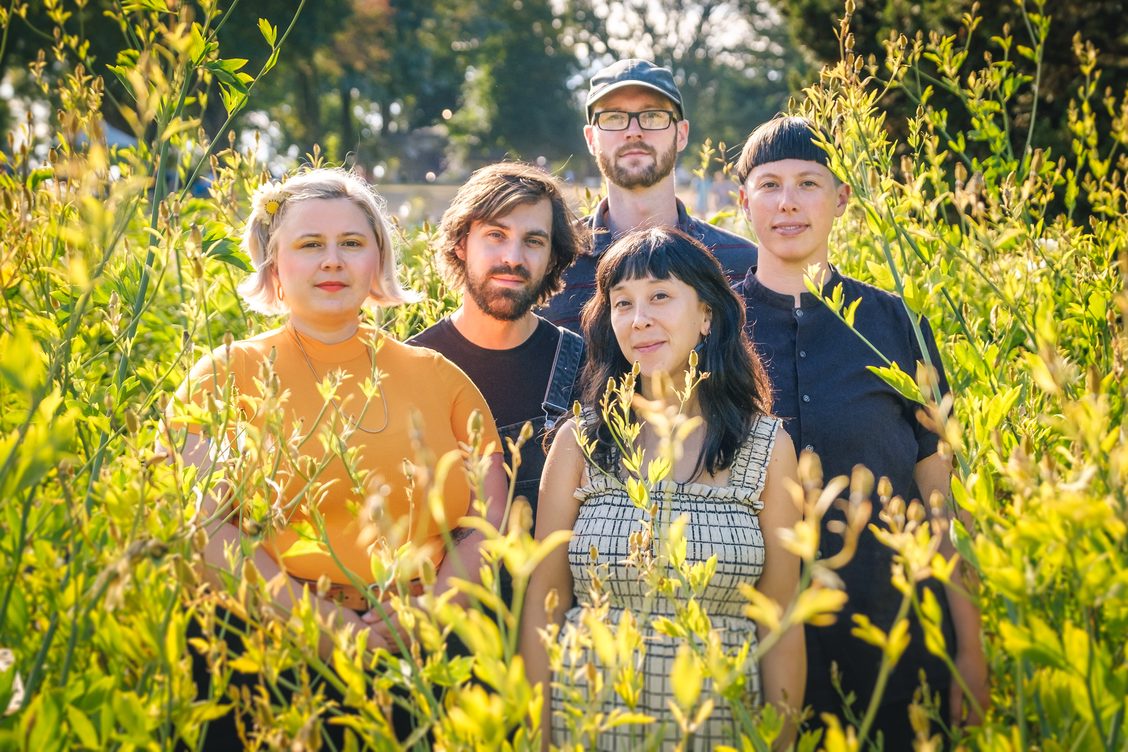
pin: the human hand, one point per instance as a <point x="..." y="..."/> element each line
<point x="384" y="631"/>
<point x="972" y="667"/>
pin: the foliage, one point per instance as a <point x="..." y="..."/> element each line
<point x="1040" y="112"/>
<point x="1031" y="303"/>
<point x="112" y="280"/>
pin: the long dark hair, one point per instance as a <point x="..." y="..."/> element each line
<point x="737" y="389"/>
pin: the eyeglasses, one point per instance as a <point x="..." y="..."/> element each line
<point x="648" y="120"/>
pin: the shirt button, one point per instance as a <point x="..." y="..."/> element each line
<point x="809" y="448"/>
<point x="806" y="398"/>
<point x="798" y="313"/>
<point x="802" y="353"/>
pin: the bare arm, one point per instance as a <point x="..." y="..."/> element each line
<point x="784" y="667"/>
<point x="556" y="510"/>
<point x="216" y="512"/>
<point x="464" y="560"/>
<point x="933" y="474"/>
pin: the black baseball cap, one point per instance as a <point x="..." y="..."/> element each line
<point x="633" y="72"/>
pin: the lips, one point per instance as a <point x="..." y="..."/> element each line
<point x="648" y="347"/>
<point x="636" y="150"/>
<point x="331" y="286"/>
<point x="788" y="229"/>
<point x="510" y="276"/>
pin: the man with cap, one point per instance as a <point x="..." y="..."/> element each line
<point x="635" y="129"/>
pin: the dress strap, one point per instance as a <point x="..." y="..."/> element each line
<point x="750" y="466"/>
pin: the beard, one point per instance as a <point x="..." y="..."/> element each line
<point x="662" y="166"/>
<point x="503" y="303"/>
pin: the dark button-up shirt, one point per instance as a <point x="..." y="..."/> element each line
<point x="735" y="253"/>
<point x="833" y="405"/>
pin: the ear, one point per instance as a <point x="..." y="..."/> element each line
<point x="842" y="199"/>
<point x="707" y="323"/>
<point x="683" y="134"/>
<point x="460" y="249"/>
<point x="589" y="138"/>
<point x="743" y="200"/>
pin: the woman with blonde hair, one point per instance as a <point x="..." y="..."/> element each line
<point x="334" y="411"/>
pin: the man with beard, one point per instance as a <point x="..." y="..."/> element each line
<point x="505" y="240"/>
<point x="635" y="130"/>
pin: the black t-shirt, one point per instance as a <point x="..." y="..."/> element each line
<point x="512" y="381"/>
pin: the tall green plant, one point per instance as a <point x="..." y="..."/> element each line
<point x="1030" y="301"/>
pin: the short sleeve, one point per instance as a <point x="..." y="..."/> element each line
<point x="465" y="400"/>
<point x="212" y="375"/>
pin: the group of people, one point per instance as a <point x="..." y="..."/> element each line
<point x="553" y="307"/>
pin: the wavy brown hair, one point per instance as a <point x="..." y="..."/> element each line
<point x="495" y="191"/>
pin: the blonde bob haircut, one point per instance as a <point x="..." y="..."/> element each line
<point x="268" y="209"/>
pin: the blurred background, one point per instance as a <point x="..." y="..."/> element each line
<point x="419" y="93"/>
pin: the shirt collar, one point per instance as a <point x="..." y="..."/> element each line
<point x="753" y="289"/>
<point x="601" y="230"/>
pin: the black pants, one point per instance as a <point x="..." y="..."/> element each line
<point x="222" y="733"/>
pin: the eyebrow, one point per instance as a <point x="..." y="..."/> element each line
<point x="803" y="174"/>
<point x="346" y="233"/>
<point x="648" y="280"/>
<point x="501" y="225"/>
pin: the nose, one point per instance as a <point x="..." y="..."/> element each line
<point x="787" y="199"/>
<point x="512" y="253"/>
<point x="332" y="257"/>
<point x="641" y="317"/>
<point x="634" y="127"/>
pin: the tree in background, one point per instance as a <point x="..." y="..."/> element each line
<point x="812" y="25"/>
<point x="389" y="81"/>
<point x="517" y="101"/>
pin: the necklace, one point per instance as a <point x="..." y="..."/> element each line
<point x="353" y="423"/>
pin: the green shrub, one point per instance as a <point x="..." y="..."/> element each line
<point x="113" y="280"/>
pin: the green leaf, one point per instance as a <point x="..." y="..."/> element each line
<point x="82" y="728"/>
<point x="269" y="31"/>
<point x="38" y="176"/>
<point x="304" y="548"/>
<point x="687" y="677"/>
<point x="131" y="717"/>
<point x="22" y="362"/>
<point x="899" y="380"/>
<point x="216" y="244"/>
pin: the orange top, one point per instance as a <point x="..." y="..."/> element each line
<point x="412" y="382"/>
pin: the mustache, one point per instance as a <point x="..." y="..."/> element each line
<point x="636" y="147"/>
<point x="516" y="271"/>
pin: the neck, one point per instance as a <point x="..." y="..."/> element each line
<point x="329" y="333"/>
<point x="790" y="278"/>
<point x="691" y="408"/>
<point x="490" y="333"/>
<point x="628" y="209"/>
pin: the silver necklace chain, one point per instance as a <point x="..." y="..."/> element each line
<point x="353" y="423"/>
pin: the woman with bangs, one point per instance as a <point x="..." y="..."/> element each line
<point x="661" y="296"/>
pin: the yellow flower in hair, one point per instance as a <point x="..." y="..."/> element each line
<point x="270" y="197"/>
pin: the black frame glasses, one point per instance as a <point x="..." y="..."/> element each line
<point x="648" y="120"/>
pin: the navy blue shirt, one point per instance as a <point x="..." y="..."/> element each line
<point x="735" y="253"/>
<point x="832" y="405"/>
